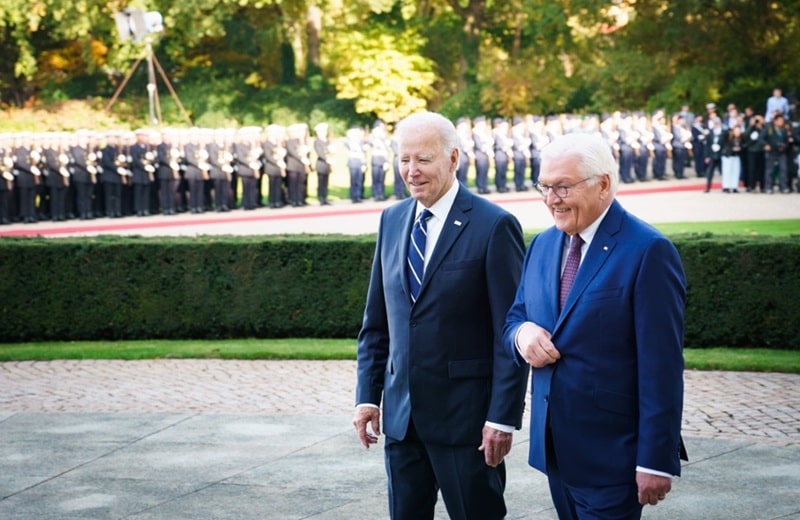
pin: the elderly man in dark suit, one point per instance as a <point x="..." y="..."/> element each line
<point x="444" y="274"/>
<point x="599" y="316"/>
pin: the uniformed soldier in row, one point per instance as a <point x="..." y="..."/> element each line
<point x="323" y="150"/>
<point x="356" y="148"/>
<point x="220" y="158"/>
<point x="379" y="153"/>
<point x="6" y="179"/>
<point x="298" y="163"/>
<point x="274" y="156"/>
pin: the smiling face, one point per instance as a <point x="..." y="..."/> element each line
<point x="584" y="203"/>
<point x="426" y="166"/>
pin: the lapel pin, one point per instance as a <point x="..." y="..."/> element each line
<point x="605" y="248"/>
<point x="457" y="222"/>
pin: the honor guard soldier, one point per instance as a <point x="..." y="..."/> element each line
<point x="699" y="141"/>
<point x="538" y="139"/>
<point x="521" y="149"/>
<point x="83" y="173"/>
<point x="28" y="176"/>
<point x="114" y="165"/>
<point x="274" y="147"/>
<point x="356" y="162"/>
<point x="168" y="158"/>
<point x="484" y="146"/>
<point x="681" y="145"/>
<point x="248" y="153"/>
<point x="466" y="147"/>
<point x="142" y="172"/>
<point x="379" y="153"/>
<point x="643" y="148"/>
<point x="56" y="162"/>
<point x="220" y="157"/>
<point x="95" y="145"/>
<point x="502" y="153"/>
<point x="196" y="160"/>
<point x="298" y="163"/>
<point x="400" y="191"/>
<point x="322" y="148"/>
<point x="6" y="178"/>
<point x="628" y="138"/>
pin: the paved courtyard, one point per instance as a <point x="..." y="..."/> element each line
<point x="735" y="405"/>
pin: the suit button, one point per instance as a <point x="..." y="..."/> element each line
<point x="413" y="324"/>
<point x="547" y="399"/>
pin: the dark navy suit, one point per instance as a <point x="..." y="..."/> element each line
<point x="438" y="366"/>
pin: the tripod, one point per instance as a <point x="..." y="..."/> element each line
<point x="152" y="90"/>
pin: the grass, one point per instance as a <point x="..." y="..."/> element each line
<point x="732" y="359"/>
<point x="786" y="227"/>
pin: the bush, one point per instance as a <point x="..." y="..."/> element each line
<point x="742" y="292"/>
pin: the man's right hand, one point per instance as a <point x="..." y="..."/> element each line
<point x="533" y="343"/>
<point x="367" y="415"/>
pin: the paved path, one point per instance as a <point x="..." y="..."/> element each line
<point x="737" y="405"/>
<point x="214" y="439"/>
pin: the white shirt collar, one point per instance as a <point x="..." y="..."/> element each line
<point x="441" y="208"/>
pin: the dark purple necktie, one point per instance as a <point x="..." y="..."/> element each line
<point x="570" y="269"/>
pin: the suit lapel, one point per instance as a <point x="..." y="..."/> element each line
<point x="599" y="251"/>
<point x="454" y="224"/>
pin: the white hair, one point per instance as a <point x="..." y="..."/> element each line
<point x="593" y="154"/>
<point x="443" y="126"/>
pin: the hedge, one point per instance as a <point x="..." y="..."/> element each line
<point x="742" y="292"/>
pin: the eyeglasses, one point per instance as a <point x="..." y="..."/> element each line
<point x="561" y="191"/>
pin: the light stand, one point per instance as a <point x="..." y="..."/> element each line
<point x="139" y="25"/>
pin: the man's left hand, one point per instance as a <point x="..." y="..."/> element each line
<point x="495" y="445"/>
<point x="652" y="488"/>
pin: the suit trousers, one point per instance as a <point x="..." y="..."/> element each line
<point x="417" y="471"/>
<point x="579" y="503"/>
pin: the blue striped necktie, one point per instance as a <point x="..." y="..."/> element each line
<point x="416" y="253"/>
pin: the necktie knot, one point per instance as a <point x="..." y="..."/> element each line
<point x="416" y="253"/>
<point x="570" y="268"/>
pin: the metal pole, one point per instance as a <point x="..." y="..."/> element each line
<point x="151" y="83"/>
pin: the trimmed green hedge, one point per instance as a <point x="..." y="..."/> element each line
<point x="742" y="291"/>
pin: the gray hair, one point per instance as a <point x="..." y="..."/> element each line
<point x="593" y="153"/>
<point x="444" y="128"/>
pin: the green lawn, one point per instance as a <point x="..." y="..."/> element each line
<point x="759" y="360"/>
<point x="739" y="227"/>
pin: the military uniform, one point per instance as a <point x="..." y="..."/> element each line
<point x="323" y="166"/>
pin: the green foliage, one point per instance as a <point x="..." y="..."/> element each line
<point x="387" y="58"/>
<point x="740" y="290"/>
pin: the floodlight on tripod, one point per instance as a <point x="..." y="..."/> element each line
<point x="137" y="25"/>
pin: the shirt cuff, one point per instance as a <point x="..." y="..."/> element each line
<point x="653" y="472"/>
<point x="367" y="405"/>
<point x="516" y="337"/>
<point x="500" y="427"/>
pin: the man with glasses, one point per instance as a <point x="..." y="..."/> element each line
<point x="599" y="316"/>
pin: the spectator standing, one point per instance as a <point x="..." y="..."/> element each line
<point x="776" y="104"/>
<point x="779" y="140"/>
<point x="755" y="142"/>
<point x="732" y="160"/>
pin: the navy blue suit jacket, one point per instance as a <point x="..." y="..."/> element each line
<point x="441" y="359"/>
<point x="615" y="397"/>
